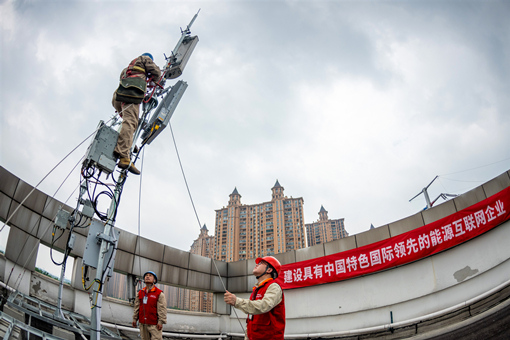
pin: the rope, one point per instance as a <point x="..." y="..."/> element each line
<point x="200" y="225"/>
<point x="183" y="175"/>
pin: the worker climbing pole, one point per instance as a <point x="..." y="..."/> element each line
<point x="158" y="105"/>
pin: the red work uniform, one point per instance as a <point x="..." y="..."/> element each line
<point x="266" y="311"/>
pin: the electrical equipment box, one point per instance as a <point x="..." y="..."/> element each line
<point x="93" y="246"/>
<point x="161" y="116"/>
<point x="182" y="56"/>
<point x="62" y="218"/>
<point x="100" y="151"/>
<point x="88" y="209"/>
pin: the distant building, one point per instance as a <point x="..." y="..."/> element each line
<point x="203" y="246"/>
<point x="325" y="230"/>
<point x="178" y="298"/>
<point x="249" y="231"/>
<point x="117" y="286"/>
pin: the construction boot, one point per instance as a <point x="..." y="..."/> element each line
<point x="116" y="155"/>
<point x="124" y="164"/>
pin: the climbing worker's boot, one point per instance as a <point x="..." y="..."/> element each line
<point x="124" y="164"/>
<point x="116" y="155"/>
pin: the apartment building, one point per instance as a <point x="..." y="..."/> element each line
<point x="203" y="246"/>
<point x="325" y="230"/>
<point x="245" y="231"/>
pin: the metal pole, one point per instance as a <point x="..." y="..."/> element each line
<point x="58" y="311"/>
<point x="427" y="198"/>
<point x="97" y="296"/>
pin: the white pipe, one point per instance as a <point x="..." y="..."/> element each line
<point x="340" y="333"/>
<point x="401" y="323"/>
<point x="180" y="335"/>
<point x="8" y="287"/>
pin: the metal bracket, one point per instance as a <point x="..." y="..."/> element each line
<point x="103" y="236"/>
<point x="70" y="244"/>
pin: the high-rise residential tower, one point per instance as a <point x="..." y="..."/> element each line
<point x="249" y="231"/>
<point x="325" y="230"/>
<point x="203" y="246"/>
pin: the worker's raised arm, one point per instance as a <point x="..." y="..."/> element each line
<point x="272" y="297"/>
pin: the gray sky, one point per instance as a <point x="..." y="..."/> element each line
<point x="352" y="105"/>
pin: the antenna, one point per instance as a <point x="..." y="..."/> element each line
<point x="426" y="194"/>
<point x="443" y="196"/>
<point x="103" y="238"/>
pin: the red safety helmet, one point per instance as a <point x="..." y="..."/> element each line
<point x="273" y="262"/>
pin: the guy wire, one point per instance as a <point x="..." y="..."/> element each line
<point x="33" y="189"/>
<point x="200" y="224"/>
<point x="20" y="276"/>
<point x="140" y="212"/>
<point x="478" y="167"/>
<point x="45" y="231"/>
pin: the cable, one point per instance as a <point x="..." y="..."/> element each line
<point x="40" y="219"/>
<point x="199" y="224"/>
<point x="482" y="166"/>
<point x="139" y="210"/>
<point x="53" y="243"/>
<point x="183" y="175"/>
<point x="84" y="272"/>
<point x="88" y="175"/>
<point x="30" y="193"/>
<point x="458" y="180"/>
<point x="439" y="179"/>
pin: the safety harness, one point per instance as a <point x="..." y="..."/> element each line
<point x="132" y="88"/>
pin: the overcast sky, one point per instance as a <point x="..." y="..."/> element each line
<point x="355" y="106"/>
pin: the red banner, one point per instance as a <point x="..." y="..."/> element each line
<point x="395" y="251"/>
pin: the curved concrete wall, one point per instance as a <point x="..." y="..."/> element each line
<point x="410" y="291"/>
<point x="415" y="289"/>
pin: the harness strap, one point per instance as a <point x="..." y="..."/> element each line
<point x="132" y="67"/>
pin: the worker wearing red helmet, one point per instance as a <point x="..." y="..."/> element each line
<point x="266" y="305"/>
